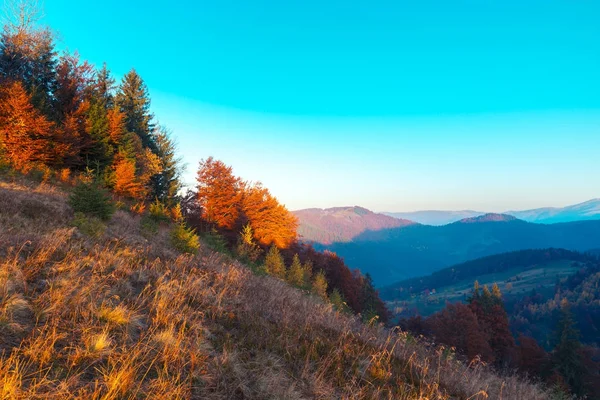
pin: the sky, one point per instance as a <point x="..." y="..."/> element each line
<point x="391" y="105"/>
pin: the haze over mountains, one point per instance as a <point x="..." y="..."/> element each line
<point x="546" y="215"/>
<point x="394" y="250"/>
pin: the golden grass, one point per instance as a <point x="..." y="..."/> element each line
<point x="125" y="317"/>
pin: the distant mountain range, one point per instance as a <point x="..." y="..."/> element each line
<point x="548" y="215"/>
<point x="394" y="250"/>
<point x="342" y="224"/>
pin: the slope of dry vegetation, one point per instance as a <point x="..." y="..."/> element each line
<point x="125" y="316"/>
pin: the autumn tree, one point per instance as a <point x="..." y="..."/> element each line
<point x="271" y="222"/>
<point x="27" y="54"/>
<point x="219" y="194"/>
<point x="24" y="132"/>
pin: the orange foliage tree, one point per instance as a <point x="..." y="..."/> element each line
<point x="271" y="222"/>
<point x="24" y="131"/>
<point x="219" y="193"/>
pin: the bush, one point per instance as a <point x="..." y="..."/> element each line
<point x="90" y="199"/>
<point x="149" y="226"/>
<point x="184" y="239"/>
<point x="91" y="226"/>
<point x="216" y="241"/>
<point x="159" y="212"/>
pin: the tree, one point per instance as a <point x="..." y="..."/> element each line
<point x="295" y="274"/>
<point x="271" y="222"/>
<point x="319" y="285"/>
<point x="337" y="300"/>
<point x="126" y="182"/>
<point x="565" y="356"/>
<point x="73" y="79"/>
<point x="24" y="132"/>
<point x="274" y="264"/>
<point x="27" y="54"/>
<point x="166" y="184"/>
<point x="134" y="102"/>
<point x="247" y="250"/>
<point x="219" y="194"/>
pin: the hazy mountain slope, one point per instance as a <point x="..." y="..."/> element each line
<point x="435" y="217"/>
<point x="395" y="254"/>
<point x="123" y="315"/>
<point x="550" y="215"/>
<point x="341" y="224"/>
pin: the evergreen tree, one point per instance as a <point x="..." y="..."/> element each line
<point x="319" y="285"/>
<point x="167" y="184"/>
<point x="274" y="264"/>
<point x="338" y="301"/>
<point x="295" y="274"/>
<point x="565" y="356"/>
<point x="307" y="269"/>
<point x="247" y="250"/>
<point x="134" y="102"/>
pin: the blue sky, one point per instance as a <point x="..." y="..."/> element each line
<point x="392" y="105"/>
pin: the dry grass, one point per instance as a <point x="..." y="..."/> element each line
<point x="124" y="317"/>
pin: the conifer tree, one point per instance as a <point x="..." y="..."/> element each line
<point x="134" y="102"/>
<point x="274" y="264"/>
<point x="337" y="300"/>
<point x="247" y="250"/>
<point x="166" y="184"/>
<point x="319" y="285"/>
<point x="295" y="274"/>
<point x="307" y="270"/>
<point x="565" y="356"/>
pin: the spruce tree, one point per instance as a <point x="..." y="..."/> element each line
<point x="167" y="184"/>
<point x="295" y="274"/>
<point x="565" y="355"/>
<point x="274" y="264"/>
<point x="319" y="285"/>
<point x="134" y="101"/>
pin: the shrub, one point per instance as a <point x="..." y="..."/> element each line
<point x="216" y="241"/>
<point x="90" y="199"/>
<point x="184" y="239"/>
<point x="148" y="226"/>
<point x="159" y="212"/>
<point x="91" y="226"/>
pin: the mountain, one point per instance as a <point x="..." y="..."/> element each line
<point x="342" y="224"/>
<point x="550" y="215"/>
<point x="435" y="217"/>
<point x="416" y="250"/>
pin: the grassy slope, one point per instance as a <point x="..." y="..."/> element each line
<point x="124" y="316"/>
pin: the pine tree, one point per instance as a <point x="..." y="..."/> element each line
<point x="307" y="270"/>
<point x="274" y="264"/>
<point x="565" y="355"/>
<point x="319" y="285"/>
<point x="337" y="300"/>
<point x="167" y="184"/>
<point x="134" y="102"/>
<point x="295" y="274"/>
<point x="247" y="250"/>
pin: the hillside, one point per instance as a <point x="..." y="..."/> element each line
<point x="516" y="273"/>
<point x="417" y="250"/>
<point x="342" y="224"/>
<point x="125" y="316"/>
